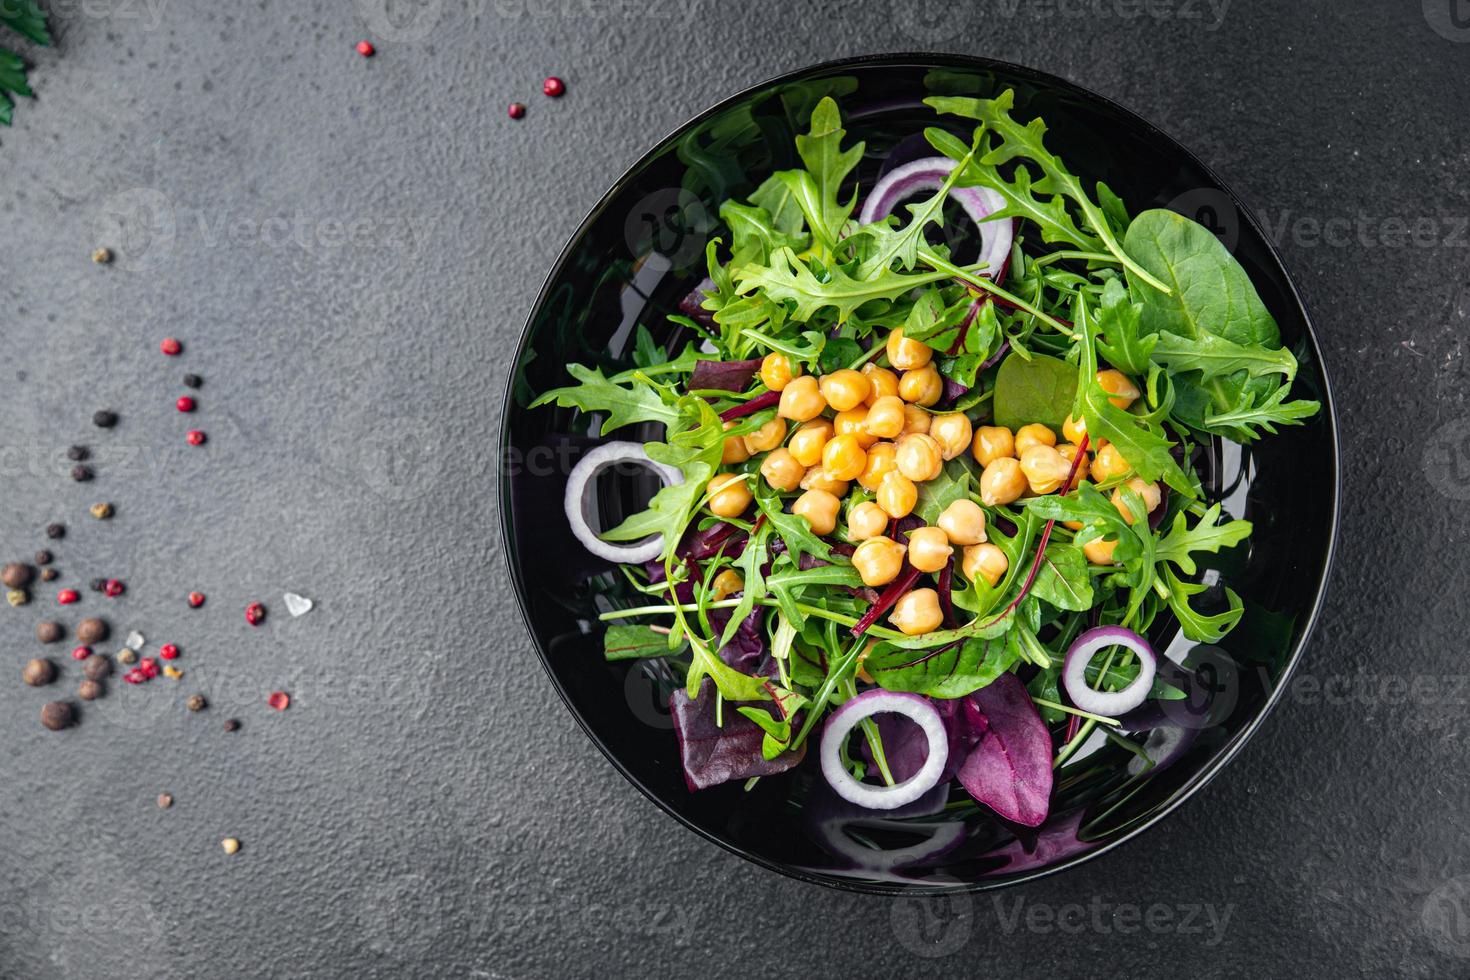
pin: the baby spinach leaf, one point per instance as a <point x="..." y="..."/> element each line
<point x="951" y="671"/>
<point x="634" y="642"/>
<point x="952" y="483"/>
<point x="1062" y="579"/>
<point x="1035" y="389"/>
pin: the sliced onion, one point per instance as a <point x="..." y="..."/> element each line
<point x="1110" y="703"/>
<point x="846" y="718"/>
<point x="929" y="174"/>
<point x="582" y="484"/>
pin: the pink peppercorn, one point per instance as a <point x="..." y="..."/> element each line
<point x="184" y="404"/>
<point x="280" y="700"/>
<point x="171" y="347"/>
<point x="196" y="599"/>
<point x="516" y="110"/>
<point x="366" y="49"/>
<point x="553" y="86"/>
<point x="67" y="596"/>
<point x="81" y="653"/>
<point x="254" y="614"/>
<point x="195" y="437"/>
<point x="113" y="588"/>
<point x="168" y="652"/>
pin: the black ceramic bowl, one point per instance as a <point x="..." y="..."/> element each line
<point x="642" y="249"/>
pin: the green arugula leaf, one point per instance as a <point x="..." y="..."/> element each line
<point x="828" y="165"/>
<point x="634" y="643"/>
<point x="754" y="558"/>
<point x="12" y="82"/>
<point x="952" y="483"/>
<point x="788" y="279"/>
<point x="789" y="584"/>
<point x="773" y="197"/>
<point x="1063" y="579"/>
<point x="1034" y="388"/>
<point x="26" y="17"/>
<point x="1197" y="626"/>
<point x="1245" y="421"/>
<point x="1120" y="336"/>
<point x="731" y="683"/>
<point x="794" y="530"/>
<point x="1215" y="357"/>
<point x="753" y="233"/>
<point x="891" y="243"/>
<point x="1206" y="535"/>
<point x="624" y="405"/>
<point x="670" y="510"/>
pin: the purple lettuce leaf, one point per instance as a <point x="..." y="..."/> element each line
<point x="712" y="754"/>
<point x="723" y="375"/>
<point x="1009" y="769"/>
<point x="746" y="651"/>
<point x="692" y="305"/>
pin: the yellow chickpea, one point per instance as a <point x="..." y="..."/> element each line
<point x="1045" y="468"/>
<point x="897" y="495"/>
<point x="800" y="400"/>
<point x="1100" y="552"/>
<point x="964" y="522"/>
<point x="915" y="419"/>
<point x="1002" y="482"/>
<point x="1034" y="434"/>
<point x="845" y="389"/>
<point x="865" y="521"/>
<point x="984" y="561"/>
<point x="767" y="437"/>
<point x="905" y="354"/>
<point x="919" y="457"/>
<point x="1150" y="492"/>
<point x="819" y="508"/>
<point x="929" y="549"/>
<point x="952" y="431"/>
<point x="1074" y="429"/>
<point x="843" y="458"/>
<point x="917" y="613"/>
<point x="886" y="417"/>
<point x="729" y="496"/>
<point x="854" y="422"/>
<point x="734" y="449"/>
<point x="809" y="440"/>
<point x="878" y="560"/>
<point x="882" y="382"/>
<point x="992" y="442"/>
<point x="1108" y="463"/>
<point x="1117" y="384"/>
<point x="777" y="371"/>
<point x="726" y="584"/>
<point x="881" y="462"/>
<point x="782" y="470"/>
<point x="922" y="386"/>
<point x="816" y="478"/>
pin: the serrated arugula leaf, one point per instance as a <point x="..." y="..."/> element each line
<point x="1121" y="338"/>
<point x="1246" y="420"/>
<point x="902" y="244"/>
<point x="797" y="533"/>
<point x="828" y="165"/>
<point x="1196" y="625"/>
<point x="754" y="235"/>
<point x="12" y="82"/>
<point x="670" y="510"/>
<point x="773" y="197"/>
<point x="1216" y="357"/>
<point x="1206" y="535"/>
<point x="788" y="585"/>
<point x="788" y="279"/>
<point x="624" y="404"/>
<point x="26" y="17"/>
<point x="732" y="684"/>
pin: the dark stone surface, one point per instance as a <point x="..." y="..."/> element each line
<point x="426" y="807"/>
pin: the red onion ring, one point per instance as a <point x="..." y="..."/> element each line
<point x="842" y="721"/>
<point x="929" y="174"/>
<point x="581" y="484"/>
<point x="1109" y="703"/>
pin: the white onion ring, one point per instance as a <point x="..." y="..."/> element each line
<point x="581" y="484"/>
<point x="929" y="174"/>
<point x="1110" y="703"/>
<point x="846" y="718"/>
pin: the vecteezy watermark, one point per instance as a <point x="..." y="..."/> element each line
<point x="1212" y="208"/>
<point x="1446" y="459"/>
<point x="1450" y="19"/>
<point x="672" y="222"/>
<point x="401" y="458"/>
<point x="928" y="20"/>
<point x="931" y="20"/>
<point x="1104" y="918"/>
<point x="1446" y="917"/>
<point x="148" y="13"/>
<point x="417" y="20"/>
<point x="933" y="925"/>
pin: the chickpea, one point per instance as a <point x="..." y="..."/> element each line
<point x="917" y="612"/>
<point x="1002" y="482"/>
<point x="915" y="419"/>
<point x="777" y="371"/>
<point x="919" y="457"/>
<point x="843" y="458"/>
<point x="992" y="442"/>
<point x="1108" y="463"/>
<point x="820" y="510"/>
<point x="1099" y="552"/>
<point x="1045" y="469"/>
<point x="906" y="355"/>
<point x="922" y="386"/>
<point x="897" y="495"/>
<point x="984" y="561"/>
<point x="800" y="400"/>
<point x="1150" y="492"/>
<point x="767" y="437"/>
<point x="865" y="521"/>
<point x="729" y="496"/>
<point x="886" y="417"/>
<point x="878" y="560"/>
<point x="1034" y="434"/>
<point x="854" y="422"/>
<point x="952" y="431"/>
<point x="809" y="440"/>
<point x="734" y="449"/>
<point x="881" y="462"/>
<point x="782" y="470"/>
<point x="845" y="389"/>
<point x="816" y="478"/>
<point x="726" y="584"/>
<point x="964" y="522"/>
<point x="929" y="549"/>
<point x="1074" y="429"/>
<point x="882" y="382"/>
<point x="1117" y="384"/>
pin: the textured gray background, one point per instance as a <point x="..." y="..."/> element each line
<point x="427" y="807"/>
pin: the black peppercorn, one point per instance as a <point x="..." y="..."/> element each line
<point x="92" y="630"/>
<point x="16" y="575"/>
<point x="38" y="672"/>
<point x="196" y="702"/>
<point x="104" y="419"/>
<point x="97" y="667"/>
<point x="232" y="725"/>
<point x="49" y="631"/>
<point x="77" y="453"/>
<point x="89" y="690"/>
<point x="49" y="574"/>
<point x="97" y="584"/>
<point x="81" y="473"/>
<point x="192" y="381"/>
<point x="54" y="531"/>
<point x="43" y="557"/>
<point x="58" y="715"/>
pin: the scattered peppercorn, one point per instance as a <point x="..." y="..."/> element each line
<point x="171" y="347"/>
<point x="184" y="404"/>
<point x="516" y="110"/>
<point x="58" y="715"/>
<point x="174" y="672"/>
<point x="279" y="700"/>
<point x="93" y="630"/>
<point x="49" y="631"/>
<point x="149" y="667"/>
<point x="233" y="725"/>
<point x="102" y="256"/>
<point x="77" y="454"/>
<point x="81" y="473"/>
<point x="255" y="614"/>
<point x="49" y="574"/>
<point x="230" y="844"/>
<point x="89" y="690"/>
<point x="127" y="655"/>
<point x="17" y="597"/>
<point x="195" y="437"/>
<point x="366" y="49"/>
<point x="196" y="702"/>
<point x="44" y="557"/>
<point x="97" y="584"/>
<point x="16" y="575"/>
<point x="104" y="419"/>
<point x="553" y="86"/>
<point x="81" y="653"/>
<point x="101" y="511"/>
<point x="196" y="599"/>
<point x="168" y="652"/>
<point x="192" y="381"/>
<point x="134" y="676"/>
<point x="54" y="532"/>
<point x="97" y="668"/>
<point x="113" y="588"/>
<point x="165" y="800"/>
<point x="68" y="596"/>
<point x="38" y="672"/>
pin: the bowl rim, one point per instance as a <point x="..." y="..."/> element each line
<point x="1195" y="782"/>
